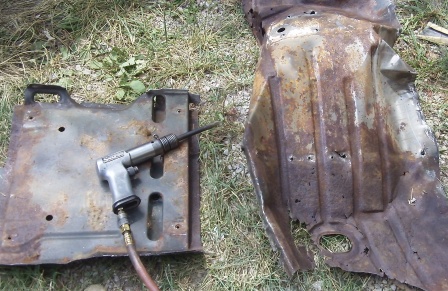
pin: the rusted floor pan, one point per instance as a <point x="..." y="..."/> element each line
<point x="336" y="139"/>
<point x="53" y="208"/>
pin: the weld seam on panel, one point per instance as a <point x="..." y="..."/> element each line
<point x="355" y="148"/>
<point x="381" y="132"/>
<point x="347" y="131"/>
<point x="278" y="112"/>
<point x="319" y="136"/>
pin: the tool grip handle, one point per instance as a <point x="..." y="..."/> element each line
<point x="121" y="188"/>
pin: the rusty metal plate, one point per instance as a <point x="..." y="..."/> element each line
<point x="336" y="139"/>
<point x="53" y="208"/>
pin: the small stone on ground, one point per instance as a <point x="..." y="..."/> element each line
<point x="95" y="287"/>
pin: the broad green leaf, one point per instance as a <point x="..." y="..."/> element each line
<point x="108" y="78"/>
<point x="137" y="86"/>
<point x="120" y="94"/>
<point x="128" y="63"/>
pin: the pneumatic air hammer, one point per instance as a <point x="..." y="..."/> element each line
<point x="119" y="167"/>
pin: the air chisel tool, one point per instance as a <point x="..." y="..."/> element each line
<point x="119" y="167"/>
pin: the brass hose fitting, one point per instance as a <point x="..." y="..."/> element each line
<point x="125" y="227"/>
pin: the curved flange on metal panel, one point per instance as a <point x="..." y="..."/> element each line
<point x="336" y="139"/>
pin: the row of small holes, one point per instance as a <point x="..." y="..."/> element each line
<point x="281" y="29"/>
<point x="342" y="155"/>
<point x="291" y="158"/>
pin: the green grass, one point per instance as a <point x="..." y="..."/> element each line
<point x="105" y="51"/>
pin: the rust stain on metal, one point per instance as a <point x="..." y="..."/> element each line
<point x="97" y="210"/>
<point x="335" y="139"/>
<point x="139" y="127"/>
<point x="97" y="147"/>
<point x="57" y="212"/>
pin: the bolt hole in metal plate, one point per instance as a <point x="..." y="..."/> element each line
<point x="53" y="208"/>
